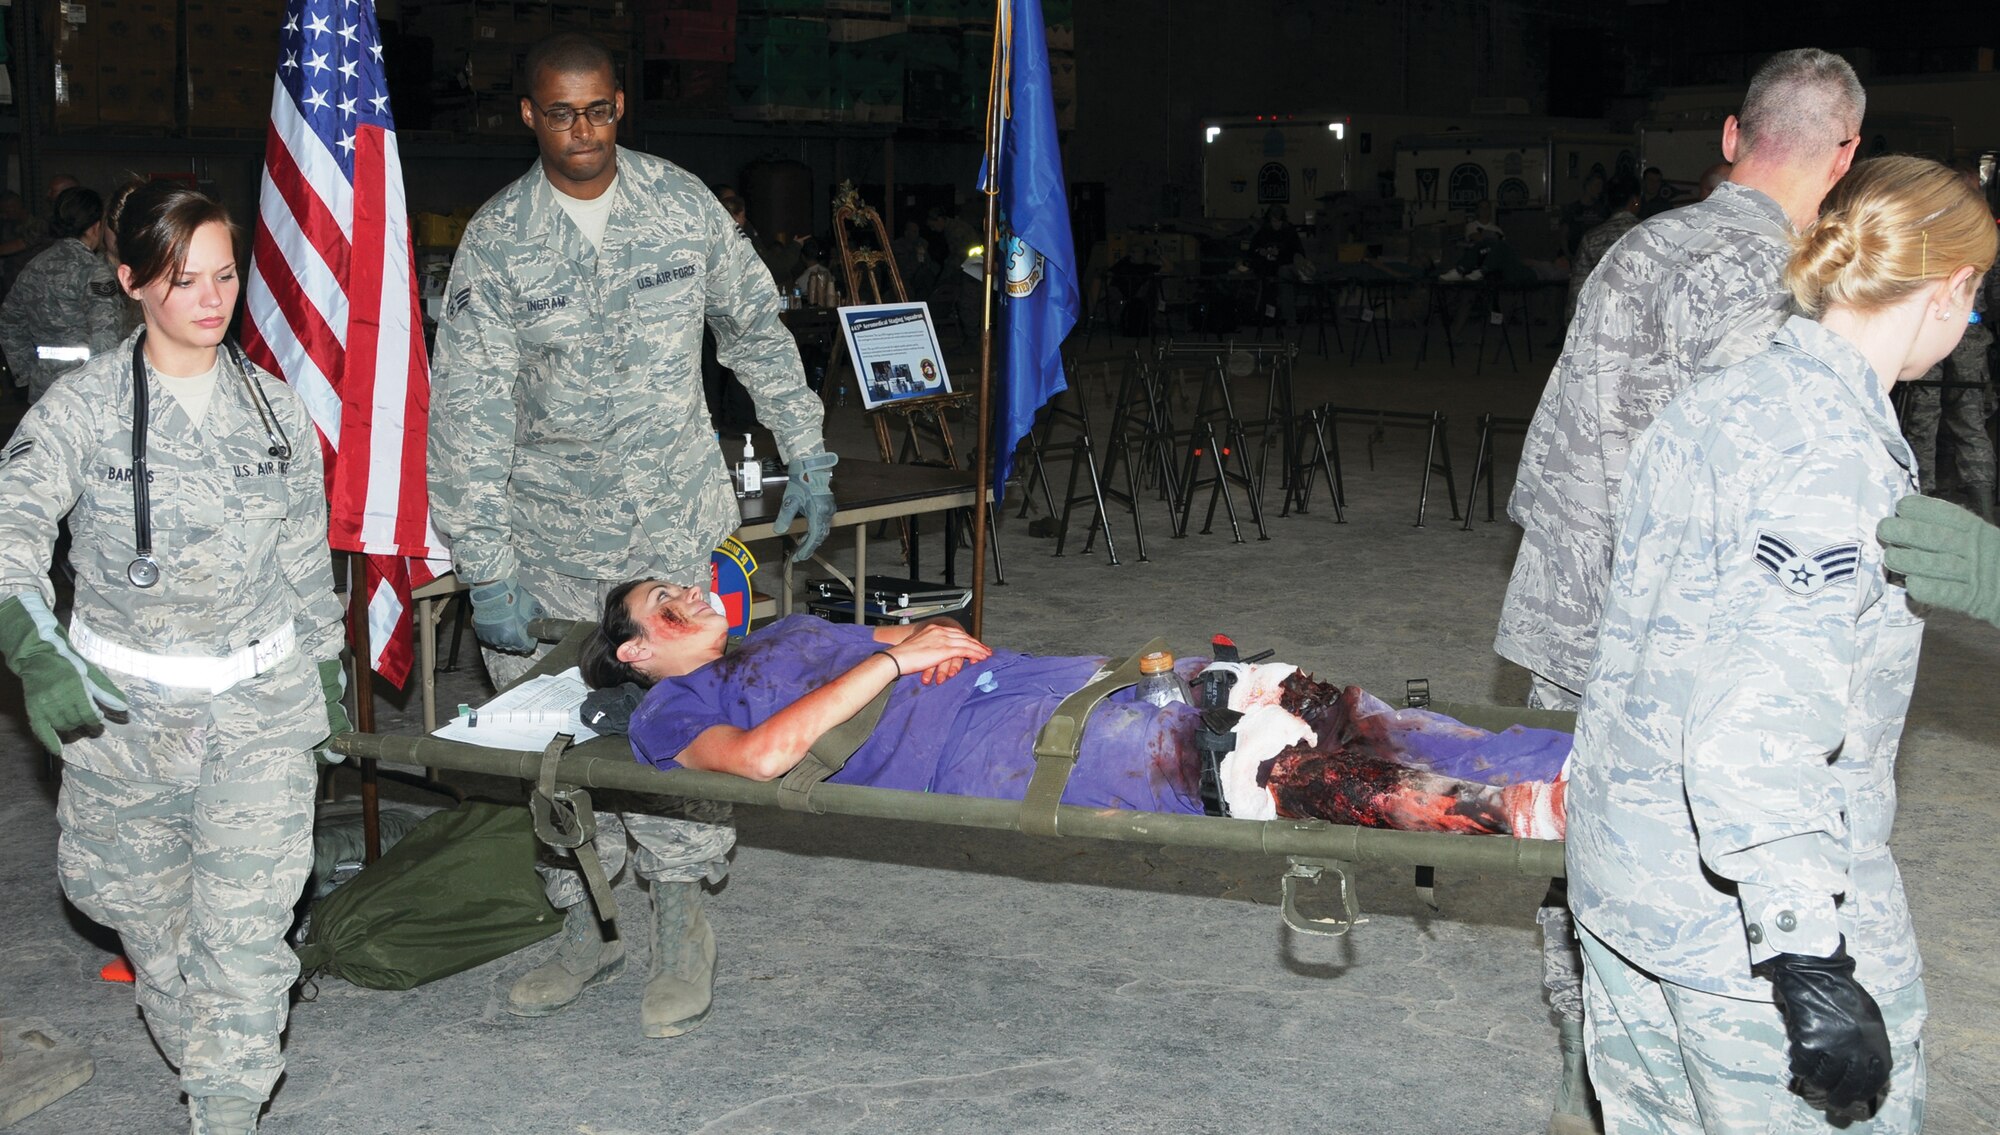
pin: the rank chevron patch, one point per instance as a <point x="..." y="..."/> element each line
<point x="1806" y="574"/>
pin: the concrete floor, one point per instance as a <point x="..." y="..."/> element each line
<point x="884" y="977"/>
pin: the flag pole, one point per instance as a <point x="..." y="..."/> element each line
<point x="996" y="117"/>
<point x="364" y="700"/>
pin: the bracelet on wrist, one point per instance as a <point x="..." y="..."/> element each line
<point x="892" y="661"/>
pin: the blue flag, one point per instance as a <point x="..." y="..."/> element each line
<point x="1037" y="303"/>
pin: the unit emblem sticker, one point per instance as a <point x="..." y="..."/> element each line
<point x="1805" y="574"/>
<point x="1024" y="266"/>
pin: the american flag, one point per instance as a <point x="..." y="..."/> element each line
<point x="332" y="309"/>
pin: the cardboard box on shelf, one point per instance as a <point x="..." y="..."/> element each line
<point x="490" y="69"/>
<point x="131" y="94"/>
<point x="141" y="24"/>
<point x="493" y="114"/>
<point x="569" y="16"/>
<point x="782" y="52"/>
<point x="457" y="24"/>
<point x="719" y="7"/>
<point x="219" y="29"/>
<point x="681" y="88"/>
<point x="933" y="98"/>
<point x="783" y="7"/>
<point x="936" y="13"/>
<point x="611" y="19"/>
<point x="843" y="29"/>
<point x="76" y="89"/>
<point x="702" y="36"/>
<point x="532" y="21"/>
<point x="224" y="96"/>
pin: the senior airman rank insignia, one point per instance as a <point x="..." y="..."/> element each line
<point x="1806" y="574"/>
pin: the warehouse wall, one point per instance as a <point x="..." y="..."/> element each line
<point x="1148" y="70"/>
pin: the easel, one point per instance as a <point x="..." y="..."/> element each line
<point x="871" y="277"/>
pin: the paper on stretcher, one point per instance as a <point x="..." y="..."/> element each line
<point x="527" y="716"/>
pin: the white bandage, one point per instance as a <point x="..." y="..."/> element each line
<point x="1263" y="733"/>
<point x="1258" y="683"/>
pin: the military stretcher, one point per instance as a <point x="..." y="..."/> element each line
<point x="1315" y="851"/>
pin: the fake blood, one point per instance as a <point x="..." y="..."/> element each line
<point x="1349" y="778"/>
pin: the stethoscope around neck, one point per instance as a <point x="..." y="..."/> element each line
<point x="144" y="570"/>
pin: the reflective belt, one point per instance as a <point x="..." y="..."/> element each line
<point x="185" y="671"/>
<point x="63" y="354"/>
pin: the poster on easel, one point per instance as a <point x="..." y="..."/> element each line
<point x="895" y="351"/>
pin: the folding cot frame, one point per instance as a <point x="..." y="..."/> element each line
<point x="1313" y="850"/>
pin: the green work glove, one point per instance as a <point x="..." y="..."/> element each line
<point x="809" y="491"/>
<point x="501" y="612"/>
<point x="63" y="692"/>
<point x="333" y="683"/>
<point x="1947" y="556"/>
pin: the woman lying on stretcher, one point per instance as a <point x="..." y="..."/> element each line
<point x="961" y="718"/>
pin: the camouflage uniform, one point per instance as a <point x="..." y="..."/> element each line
<point x="1706" y="278"/>
<point x="1733" y="782"/>
<point x="570" y="447"/>
<point x="1590" y="251"/>
<point x="187" y="828"/>
<point x="1700" y="280"/>
<point x="1962" y="411"/>
<point x="1719" y="1081"/>
<point x="64" y="300"/>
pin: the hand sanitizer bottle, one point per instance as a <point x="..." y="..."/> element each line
<point x="749" y="472"/>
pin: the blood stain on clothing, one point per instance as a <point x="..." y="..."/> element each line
<point x="1350" y="789"/>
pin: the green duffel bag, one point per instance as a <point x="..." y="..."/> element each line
<point x="458" y="891"/>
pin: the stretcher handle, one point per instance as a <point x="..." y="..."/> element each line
<point x="1297" y="870"/>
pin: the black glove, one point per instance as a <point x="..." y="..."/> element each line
<point x="1839" y="1045"/>
<point x="610" y="711"/>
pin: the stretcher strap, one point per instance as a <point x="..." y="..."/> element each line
<point x="564" y="819"/>
<point x="1061" y="740"/>
<point x="829" y="754"/>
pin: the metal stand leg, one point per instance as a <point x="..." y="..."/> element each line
<point x="1436" y="448"/>
<point x="1482" y="465"/>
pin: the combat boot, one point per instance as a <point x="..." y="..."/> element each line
<point x="1574" y="1113"/>
<point x="582" y="960"/>
<point x="682" y="984"/>
<point x="223" y="1115"/>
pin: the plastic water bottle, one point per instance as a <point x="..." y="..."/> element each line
<point x="1158" y="683"/>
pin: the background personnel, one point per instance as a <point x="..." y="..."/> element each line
<point x="570" y="449"/>
<point x="1961" y="409"/>
<point x="1623" y="196"/>
<point x="65" y="307"/>
<point x="204" y="591"/>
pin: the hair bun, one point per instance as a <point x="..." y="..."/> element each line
<point x="1828" y="250"/>
<point x="1832" y="243"/>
